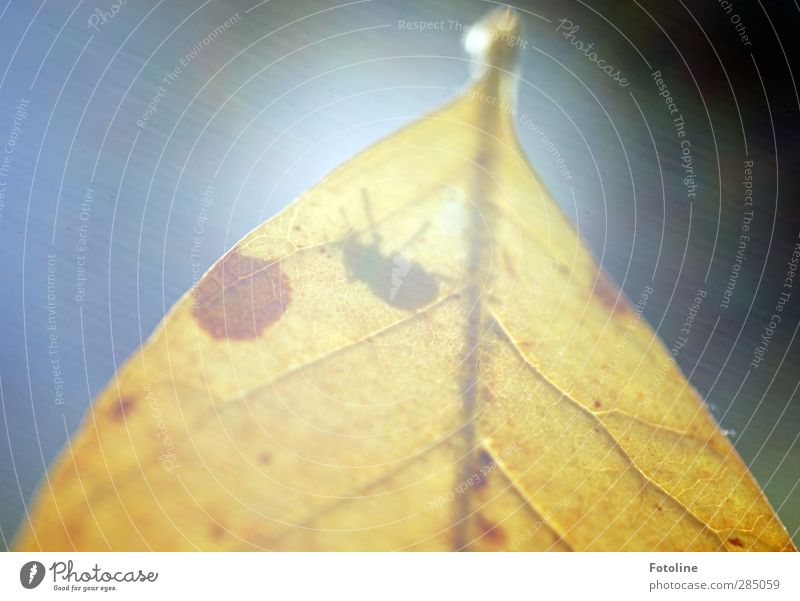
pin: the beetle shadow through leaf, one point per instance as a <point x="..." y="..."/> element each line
<point x="394" y="278"/>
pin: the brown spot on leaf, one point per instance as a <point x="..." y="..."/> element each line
<point x="597" y="404"/>
<point x="607" y="293"/>
<point x="736" y="541"/>
<point x="264" y="458"/>
<point x="216" y="531"/>
<point x="488" y="531"/>
<point x="121" y="408"/>
<point x="241" y="296"/>
<point x="485" y="459"/>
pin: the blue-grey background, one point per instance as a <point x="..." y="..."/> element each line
<point x="293" y="87"/>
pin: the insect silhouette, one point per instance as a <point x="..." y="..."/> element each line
<point x="395" y="279"/>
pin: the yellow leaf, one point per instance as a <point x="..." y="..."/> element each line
<point x="419" y="353"/>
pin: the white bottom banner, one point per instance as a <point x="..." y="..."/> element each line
<point x="389" y="576"/>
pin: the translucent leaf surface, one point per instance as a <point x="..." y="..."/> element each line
<point x="418" y="353"/>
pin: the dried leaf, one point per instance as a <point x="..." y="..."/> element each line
<point x="419" y="353"/>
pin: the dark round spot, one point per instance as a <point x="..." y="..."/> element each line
<point x="488" y="531"/>
<point x="485" y="459"/>
<point x="241" y="296"/>
<point x="121" y="408"/>
<point x="216" y="531"/>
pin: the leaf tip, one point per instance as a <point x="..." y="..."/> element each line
<point x="495" y="38"/>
